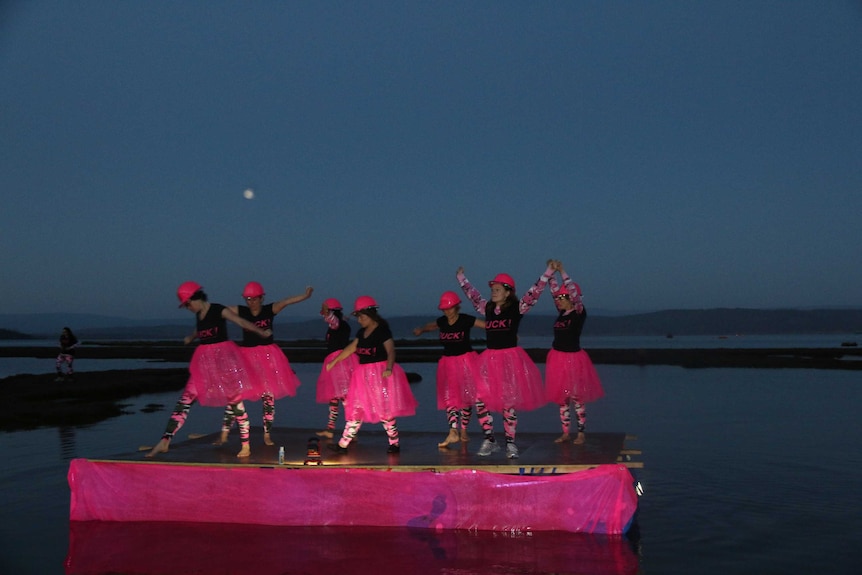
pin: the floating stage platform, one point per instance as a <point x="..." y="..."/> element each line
<point x="585" y="488"/>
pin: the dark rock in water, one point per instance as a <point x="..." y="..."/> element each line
<point x="413" y="377"/>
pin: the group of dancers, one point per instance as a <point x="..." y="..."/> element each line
<point x="362" y="375"/>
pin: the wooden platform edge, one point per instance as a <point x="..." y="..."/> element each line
<point x="504" y="469"/>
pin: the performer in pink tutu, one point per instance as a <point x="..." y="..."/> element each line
<point x="570" y="378"/>
<point x="378" y="387"/>
<point x="513" y="380"/>
<point x="272" y="376"/>
<point x="332" y="384"/>
<point x="218" y="373"/>
<point x="458" y="373"/>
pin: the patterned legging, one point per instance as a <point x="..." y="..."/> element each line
<point x="181" y="412"/>
<point x="268" y="414"/>
<point x="510" y="422"/>
<point x="68" y="360"/>
<point x="455" y="416"/>
<point x="566" y="415"/>
<point x="333" y="412"/>
<point x="351" y="428"/>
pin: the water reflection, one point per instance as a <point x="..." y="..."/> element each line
<point x="68" y="446"/>
<point x="167" y="548"/>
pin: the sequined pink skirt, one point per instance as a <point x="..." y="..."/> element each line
<point x="373" y="398"/>
<point x="335" y="382"/>
<point x="459" y="380"/>
<point x="571" y="374"/>
<point x="270" y="372"/>
<point x="512" y="380"/>
<point x="218" y="374"/>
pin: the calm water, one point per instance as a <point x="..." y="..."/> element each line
<point x="747" y="471"/>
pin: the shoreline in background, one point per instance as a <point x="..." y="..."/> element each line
<point x="426" y="351"/>
<point x="40" y="401"/>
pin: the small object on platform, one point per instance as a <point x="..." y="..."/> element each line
<point x="312" y="452"/>
<point x="281" y="455"/>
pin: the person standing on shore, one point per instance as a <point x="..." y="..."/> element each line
<point x="379" y="390"/>
<point x="217" y="373"/>
<point x="513" y="381"/>
<point x="458" y="373"/>
<point x="272" y="376"/>
<point x="332" y="384"/>
<point x="571" y="379"/>
<point x="68" y="344"/>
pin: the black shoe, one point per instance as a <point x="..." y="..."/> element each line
<point x="394" y="448"/>
<point x="337" y="448"/>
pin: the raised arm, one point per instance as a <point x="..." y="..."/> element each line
<point x="573" y="288"/>
<point x="472" y="293"/>
<point x="529" y="299"/>
<point x="283" y="303"/>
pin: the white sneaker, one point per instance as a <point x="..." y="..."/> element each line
<point x="488" y="447"/>
<point x="511" y="451"/>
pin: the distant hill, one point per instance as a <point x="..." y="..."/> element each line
<point x="12" y="334"/>
<point x="674" y="322"/>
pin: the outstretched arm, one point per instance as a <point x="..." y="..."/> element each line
<point x="430" y="326"/>
<point x="244" y="323"/>
<point x="345" y="353"/>
<point x="472" y="293"/>
<point x="283" y="303"/>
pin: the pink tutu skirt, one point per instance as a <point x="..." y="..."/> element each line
<point x="219" y="375"/>
<point x="335" y="382"/>
<point x="512" y="379"/>
<point x="373" y="398"/>
<point x="270" y="372"/>
<point x="459" y="381"/>
<point x="570" y="374"/>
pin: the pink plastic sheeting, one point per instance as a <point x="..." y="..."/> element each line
<point x="599" y="500"/>
<point x="102" y="548"/>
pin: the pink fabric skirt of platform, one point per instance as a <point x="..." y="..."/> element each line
<point x="219" y="374"/>
<point x="571" y="374"/>
<point x="270" y="372"/>
<point x="512" y="380"/>
<point x="335" y="382"/>
<point x="459" y="381"/>
<point x="373" y="398"/>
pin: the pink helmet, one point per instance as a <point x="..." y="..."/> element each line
<point x="563" y="291"/>
<point x="505" y="279"/>
<point x="332" y="303"/>
<point x="252" y="289"/>
<point x="186" y="291"/>
<point x="448" y="299"/>
<point x="364" y="302"/>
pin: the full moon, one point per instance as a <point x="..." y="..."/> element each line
<point x="248" y="194"/>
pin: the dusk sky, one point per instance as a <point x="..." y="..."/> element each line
<point x="673" y="155"/>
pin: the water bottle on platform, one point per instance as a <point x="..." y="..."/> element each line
<point x="281" y="455"/>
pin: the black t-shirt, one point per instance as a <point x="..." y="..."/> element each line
<point x="370" y="349"/>
<point x="213" y="327"/>
<point x="456" y="337"/>
<point x="263" y="320"/>
<point x="567" y="331"/>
